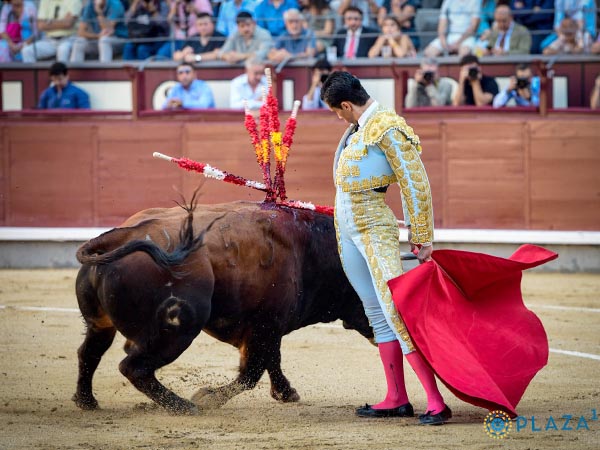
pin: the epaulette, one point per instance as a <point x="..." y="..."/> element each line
<point x="384" y="120"/>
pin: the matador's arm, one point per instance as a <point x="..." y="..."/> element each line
<point x="405" y="161"/>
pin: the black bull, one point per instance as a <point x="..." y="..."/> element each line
<point x="252" y="275"/>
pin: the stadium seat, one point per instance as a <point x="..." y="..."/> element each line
<point x="426" y="22"/>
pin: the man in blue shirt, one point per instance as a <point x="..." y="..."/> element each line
<point x="62" y="94"/>
<point x="101" y="31"/>
<point x="523" y="88"/>
<point x="296" y="42"/>
<point x="269" y="15"/>
<point x="226" y="21"/>
<point x="189" y="93"/>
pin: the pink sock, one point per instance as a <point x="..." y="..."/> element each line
<point x="391" y="357"/>
<point x="435" y="402"/>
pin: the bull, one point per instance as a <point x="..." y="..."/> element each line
<point x="254" y="273"/>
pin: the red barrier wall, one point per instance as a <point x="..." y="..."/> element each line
<point x="512" y="171"/>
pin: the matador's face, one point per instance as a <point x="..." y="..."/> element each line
<point x="345" y="112"/>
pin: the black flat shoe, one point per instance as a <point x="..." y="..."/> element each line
<point x="436" y="419"/>
<point x="405" y="410"/>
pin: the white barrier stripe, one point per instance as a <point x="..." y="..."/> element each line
<point x="40" y="308"/>
<point x="566" y="308"/>
<point x="485" y="236"/>
<point x="579" y="354"/>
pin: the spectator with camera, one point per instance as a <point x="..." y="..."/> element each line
<point x="102" y="31"/>
<point x="249" y="41"/>
<point x="429" y="89"/>
<point x="474" y="88"/>
<point x="203" y="47"/>
<point x="507" y="37"/>
<point x="312" y="99"/>
<point x="189" y="92"/>
<point x="146" y="19"/>
<point x="522" y="87"/>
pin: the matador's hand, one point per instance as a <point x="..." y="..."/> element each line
<point x="424" y="254"/>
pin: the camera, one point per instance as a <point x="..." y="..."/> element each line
<point x="428" y="76"/>
<point x="522" y="83"/>
<point x="473" y="73"/>
<point x="324" y="77"/>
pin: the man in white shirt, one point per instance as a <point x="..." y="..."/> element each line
<point x="247" y="89"/>
<point x="458" y="23"/>
<point x="58" y="20"/>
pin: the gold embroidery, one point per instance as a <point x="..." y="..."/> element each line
<point x="384" y="120"/>
<point x="416" y="192"/>
<point x="382" y="251"/>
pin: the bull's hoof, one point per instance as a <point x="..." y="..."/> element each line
<point x="183" y="408"/>
<point x="85" y="402"/>
<point x="210" y="400"/>
<point x="287" y="396"/>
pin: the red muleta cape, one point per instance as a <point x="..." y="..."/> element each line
<point x="465" y="314"/>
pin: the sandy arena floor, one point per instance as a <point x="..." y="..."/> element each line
<point x="333" y="370"/>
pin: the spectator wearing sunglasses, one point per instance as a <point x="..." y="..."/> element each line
<point x="189" y="92"/>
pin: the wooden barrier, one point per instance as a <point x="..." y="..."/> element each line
<point x="507" y="171"/>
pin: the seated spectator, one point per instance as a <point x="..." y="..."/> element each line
<point x="228" y="11"/>
<point x="429" y="88"/>
<point x="296" y="42"/>
<point x="458" y="23"/>
<point x="523" y="88"/>
<point x="404" y="11"/>
<point x="507" y="37"/>
<point x="249" y="41"/>
<point x="182" y="19"/>
<point x="392" y="42"/>
<point x="189" y="92"/>
<point x="203" y="47"/>
<point x="474" y="88"/>
<point x="595" y="97"/>
<point x="269" y="15"/>
<point x="62" y="94"/>
<point x="248" y="88"/>
<point x="355" y="40"/>
<point x="486" y="22"/>
<point x="321" y="20"/>
<point x="568" y="41"/>
<point x="57" y="19"/>
<point x="312" y="99"/>
<point x="368" y="9"/>
<point x="537" y="17"/>
<point x="145" y="19"/>
<point x="101" y="31"/>
<point x="582" y="12"/>
<point x="18" y="28"/>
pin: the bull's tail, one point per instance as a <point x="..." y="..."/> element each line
<point x="91" y="252"/>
